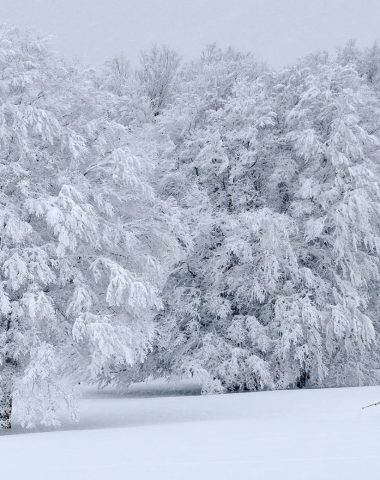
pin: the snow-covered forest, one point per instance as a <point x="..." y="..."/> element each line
<point x="214" y="220"/>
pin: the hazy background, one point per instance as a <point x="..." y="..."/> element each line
<point x="278" y="31"/>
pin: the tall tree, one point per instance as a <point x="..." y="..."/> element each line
<point x="280" y="288"/>
<point x="84" y="237"/>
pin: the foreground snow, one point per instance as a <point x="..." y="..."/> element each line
<point x="153" y="433"/>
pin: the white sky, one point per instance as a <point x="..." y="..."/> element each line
<point x="277" y="31"/>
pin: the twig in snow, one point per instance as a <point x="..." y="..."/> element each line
<point x="371" y="405"/>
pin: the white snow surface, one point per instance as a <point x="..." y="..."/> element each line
<point x="157" y="432"/>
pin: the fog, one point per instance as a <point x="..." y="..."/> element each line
<point x="278" y="31"/>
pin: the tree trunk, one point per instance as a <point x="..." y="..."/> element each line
<point x="5" y="409"/>
<point x="6" y="387"/>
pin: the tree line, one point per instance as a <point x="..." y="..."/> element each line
<point x="213" y="219"/>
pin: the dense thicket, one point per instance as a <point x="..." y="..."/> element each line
<point x="214" y="219"/>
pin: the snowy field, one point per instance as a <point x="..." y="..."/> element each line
<point x="159" y="433"/>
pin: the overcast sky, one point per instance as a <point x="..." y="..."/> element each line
<point x="278" y="31"/>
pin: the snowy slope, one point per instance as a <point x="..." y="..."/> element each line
<point x="305" y="435"/>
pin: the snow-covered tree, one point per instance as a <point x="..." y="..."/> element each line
<point x="280" y="289"/>
<point x="35" y="147"/>
<point x="157" y="76"/>
<point x="84" y="238"/>
<point x="210" y="327"/>
<point x="336" y="203"/>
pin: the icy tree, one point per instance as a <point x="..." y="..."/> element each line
<point x="123" y="96"/>
<point x="212" y="327"/>
<point x="34" y="149"/>
<point x="84" y="238"/>
<point x="336" y="203"/>
<point x="279" y="290"/>
<point x="157" y="76"/>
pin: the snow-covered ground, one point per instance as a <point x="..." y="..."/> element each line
<point x="157" y="433"/>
